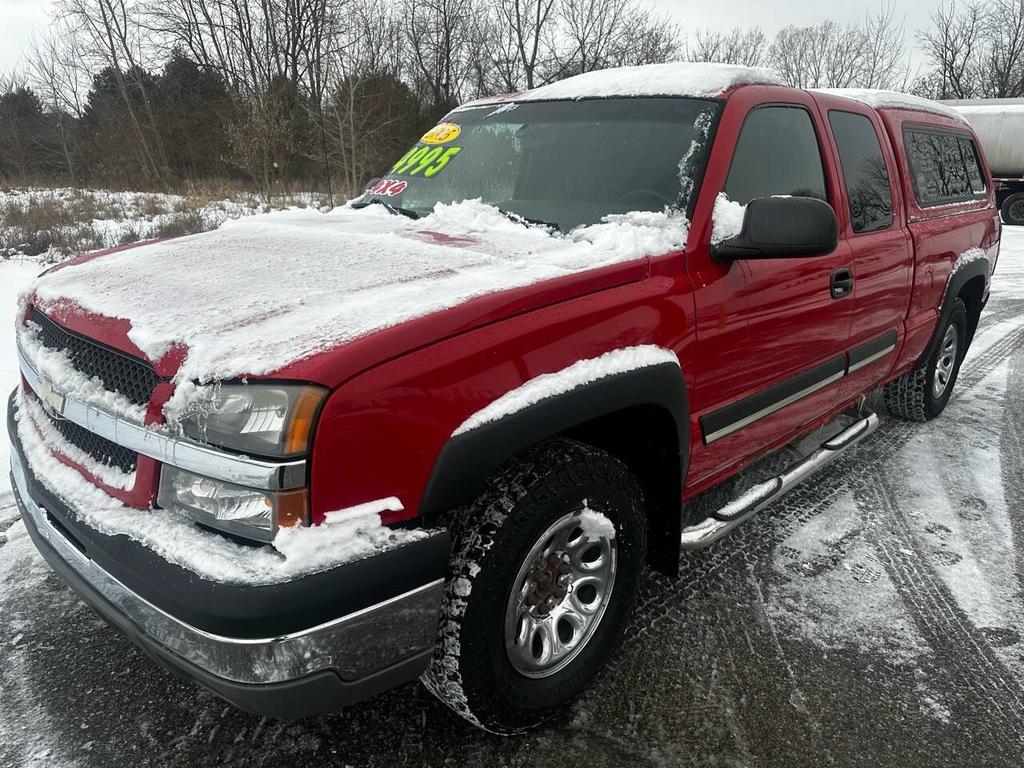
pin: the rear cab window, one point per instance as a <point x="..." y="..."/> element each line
<point x="868" y="188"/>
<point x="944" y="166"/>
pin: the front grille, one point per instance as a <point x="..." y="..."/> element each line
<point x="120" y="373"/>
<point x="101" y="449"/>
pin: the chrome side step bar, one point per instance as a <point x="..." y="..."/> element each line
<point x="740" y="510"/>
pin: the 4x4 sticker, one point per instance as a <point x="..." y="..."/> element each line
<point x="441" y="134"/>
<point x="426" y="160"/>
<point x="388" y="187"/>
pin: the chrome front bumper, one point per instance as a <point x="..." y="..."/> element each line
<point x="353" y="646"/>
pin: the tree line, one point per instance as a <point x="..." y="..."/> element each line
<point x="280" y="94"/>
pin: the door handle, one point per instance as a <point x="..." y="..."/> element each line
<point x="840" y="284"/>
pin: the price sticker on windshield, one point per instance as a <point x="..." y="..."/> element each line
<point x="425" y="160"/>
<point x="441" y="134"/>
<point x="388" y="187"/>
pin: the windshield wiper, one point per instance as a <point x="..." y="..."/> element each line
<point x="518" y="218"/>
<point x="398" y="211"/>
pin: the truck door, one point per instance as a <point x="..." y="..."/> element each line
<point x="881" y="247"/>
<point x="772" y="333"/>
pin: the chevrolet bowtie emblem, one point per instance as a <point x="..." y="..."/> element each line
<point x="52" y="400"/>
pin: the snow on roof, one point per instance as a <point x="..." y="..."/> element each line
<point x="263" y="292"/>
<point x="677" y="78"/>
<point x="882" y="99"/>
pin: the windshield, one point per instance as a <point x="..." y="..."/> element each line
<point x="563" y="163"/>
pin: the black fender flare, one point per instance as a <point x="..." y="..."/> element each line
<point x="468" y="459"/>
<point x="956" y="282"/>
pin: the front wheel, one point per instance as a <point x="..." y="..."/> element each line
<point x="544" y="574"/>
<point x="922" y="394"/>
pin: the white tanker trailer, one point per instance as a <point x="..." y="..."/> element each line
<point x="999" y="124"/>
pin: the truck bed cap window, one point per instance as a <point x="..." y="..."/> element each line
<point x="944" y="166"/>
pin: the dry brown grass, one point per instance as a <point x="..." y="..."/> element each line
<point x="41" y="224"/>
<point x="56" y="223"/>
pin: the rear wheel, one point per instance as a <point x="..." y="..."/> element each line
<point x="923" y="393"/>
<point x="545" y="571"/>
<point x="1012" y="209"/>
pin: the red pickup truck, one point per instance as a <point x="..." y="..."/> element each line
<point x="439" y="432"/>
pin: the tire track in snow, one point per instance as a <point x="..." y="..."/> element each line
<point x="856" y="471"/>
<point x="965" y="659"/>
<point x="1011" y="454"/>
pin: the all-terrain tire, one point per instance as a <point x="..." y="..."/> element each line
<point x="912" y="396"/>
<point x="1012" y="209"/>
<point x="471" y="670"/>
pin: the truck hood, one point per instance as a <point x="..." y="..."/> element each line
<point x="261" y="293"/>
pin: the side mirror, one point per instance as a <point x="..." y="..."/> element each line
<point x="782" y="228"/>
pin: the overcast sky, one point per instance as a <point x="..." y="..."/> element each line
<point x="20" y="18"/>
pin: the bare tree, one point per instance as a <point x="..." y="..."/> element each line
<point x="1002" y="71"/>
<point x="370" y="105"/>
<point x="54" y="68"/>
<point x="590" y="31"/>
<point x="527" y="26"/>
<point x="501" y="69"/>
<point x="315" y="49"/>
<point x="865" y="55"/>
<point x="885" y="63"/>
<point x="440" y="42"/>
<point x="953" y="47"/>
<point x="737" y="46"/>
<point x="646" y="38"/>
<point x="112" y="30"/>
<point x="822" y="56"/>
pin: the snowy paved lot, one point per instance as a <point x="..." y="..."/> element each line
<point x="873" y="617"/>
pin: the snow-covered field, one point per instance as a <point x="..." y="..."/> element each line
<point x="874" y="616"/>
<point x="53" y="223"/>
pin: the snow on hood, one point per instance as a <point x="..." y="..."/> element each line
<point x="263" y="292"/>
<point x="697" y="80"/>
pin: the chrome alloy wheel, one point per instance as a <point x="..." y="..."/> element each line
<point x="946" y="363"/>
<point x="558" y="598"/>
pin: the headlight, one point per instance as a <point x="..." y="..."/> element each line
<point x="262" y="419"/>
<point x="232" y="508"/>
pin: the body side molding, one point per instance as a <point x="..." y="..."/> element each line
<point x="731" y="418"/>
<point x="870" y="351"/>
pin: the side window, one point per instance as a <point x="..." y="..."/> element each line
<point x="777" y="153"/>
<point x="944" y="166"/>
<point x="867" y="178"/>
